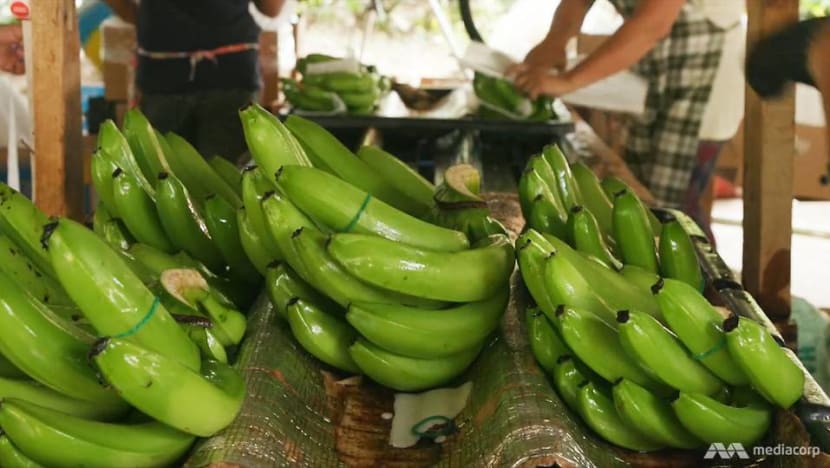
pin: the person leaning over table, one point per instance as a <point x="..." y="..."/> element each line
<point x="798" y="53"/>
<point x="197" y="65"/>
<point x="671" y="43"/>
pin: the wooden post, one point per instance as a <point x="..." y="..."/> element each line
<point x="769" y="149"/>
<point x="58" y="164"/>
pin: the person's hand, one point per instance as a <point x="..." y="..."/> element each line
<point x="547" y="55"/>
<point x="536" y="81"/>
<point x="544" y="55"/>
<point x="11" y="49"/>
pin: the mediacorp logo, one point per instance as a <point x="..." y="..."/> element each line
<point x="737" y="450"/>
<point x="726" y="452"/>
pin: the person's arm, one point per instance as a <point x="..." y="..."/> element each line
<point x="125" y="9"/>
<point x="270" y="8"/>
<point x="566" y="23"/>
<point x="818" y="63"/>
<point x="11" y="49"/>
<point x="649" y="24"/>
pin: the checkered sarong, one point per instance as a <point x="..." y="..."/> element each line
<point x="662" y="144"/>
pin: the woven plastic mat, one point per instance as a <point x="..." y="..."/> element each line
<point x="298" y="412"/>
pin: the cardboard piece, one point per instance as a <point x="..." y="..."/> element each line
<point x="118" y="45"/>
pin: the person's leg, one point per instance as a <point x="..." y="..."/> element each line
<point x="219" y="130"/>
<point x="170" y="113"/>
<point x="707" y="157"/>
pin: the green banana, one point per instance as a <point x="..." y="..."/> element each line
<point x="697" y="324"/>
<point x="199" y="329"/>
<point x="283" y="219"/>
<point x="309" y="97"/>
<point x="56" y="439"/>
<point x="46" y="348"/>
<point x="23" y="222"/>
<point x="646" y="341"/>
<point x="199" y="403"/>
<point x="114" y="146"/>
<point x="545" y="343"/>
<point x="200" y="178"/>
<point x="593" y="196"/>
<point x="712" y="421"/>
<point x="408" y="374"/>
<point x="532" y="251"/>
<point x="41" y="395"/>
<point x="539" y="164"/>
<point x="101" y="170"/>
<point x="342" y="82"/>
<point x="612" y="185"/>
<point x="182" y="220"/>
<point x="597" y="410"/>
<point x="568" y="378"/>
<point x="252" y="244"/>
<point x="341" y="206"/>
<point x="642" y="278"/>
<point x="466" y="276"/>
<point x="28" y="277"/>
<point x="254" y="188"/>
<point x="9" y="370"/>
<point x="111" y="296"/>
<point x="588" y="238"/>
<point x="635" y="239"/>
<point x="565" y="183"/>
<point x="543" y="209"/>
<point x="399" y="174"/>
<point x="229" y="324"/>
<point x="283" y="284"/>
<point x="678" y="257"/>
<point x="115" y="233"/>
<point x="223" y="226"/>
<point x="228" y="172"/>
<point x="428" y="334"/>
<point x="326" y="152"/>
<point x="651" y="416"/>
<point x="597" y="344"/>
<point x="144" y="144"/>
<point x="11" y="457"/>
<point x="323" y="335"/>
<point x="293" y="144"/>
<point x="139" y="211"/>
<point x="771" y="369"/>
<point x="326" y="275"/>
<point x="614" y="289"/>
<point x="362" y="100"/>
<point x="566" y="284"/>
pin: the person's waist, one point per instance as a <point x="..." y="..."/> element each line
<point x="198" y="55"/>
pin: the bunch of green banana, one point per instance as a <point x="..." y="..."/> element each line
<point x="56" y="407"/>
<point x="358" y="91"/>
<point x="503" y="100"/>
<point x="623" y="383"/>
<point x="190" y="205"/>
<point x="365" y="282"/>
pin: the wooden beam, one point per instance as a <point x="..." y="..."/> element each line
<point x="769" y="149"/>
<point x="58" y="178"/>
